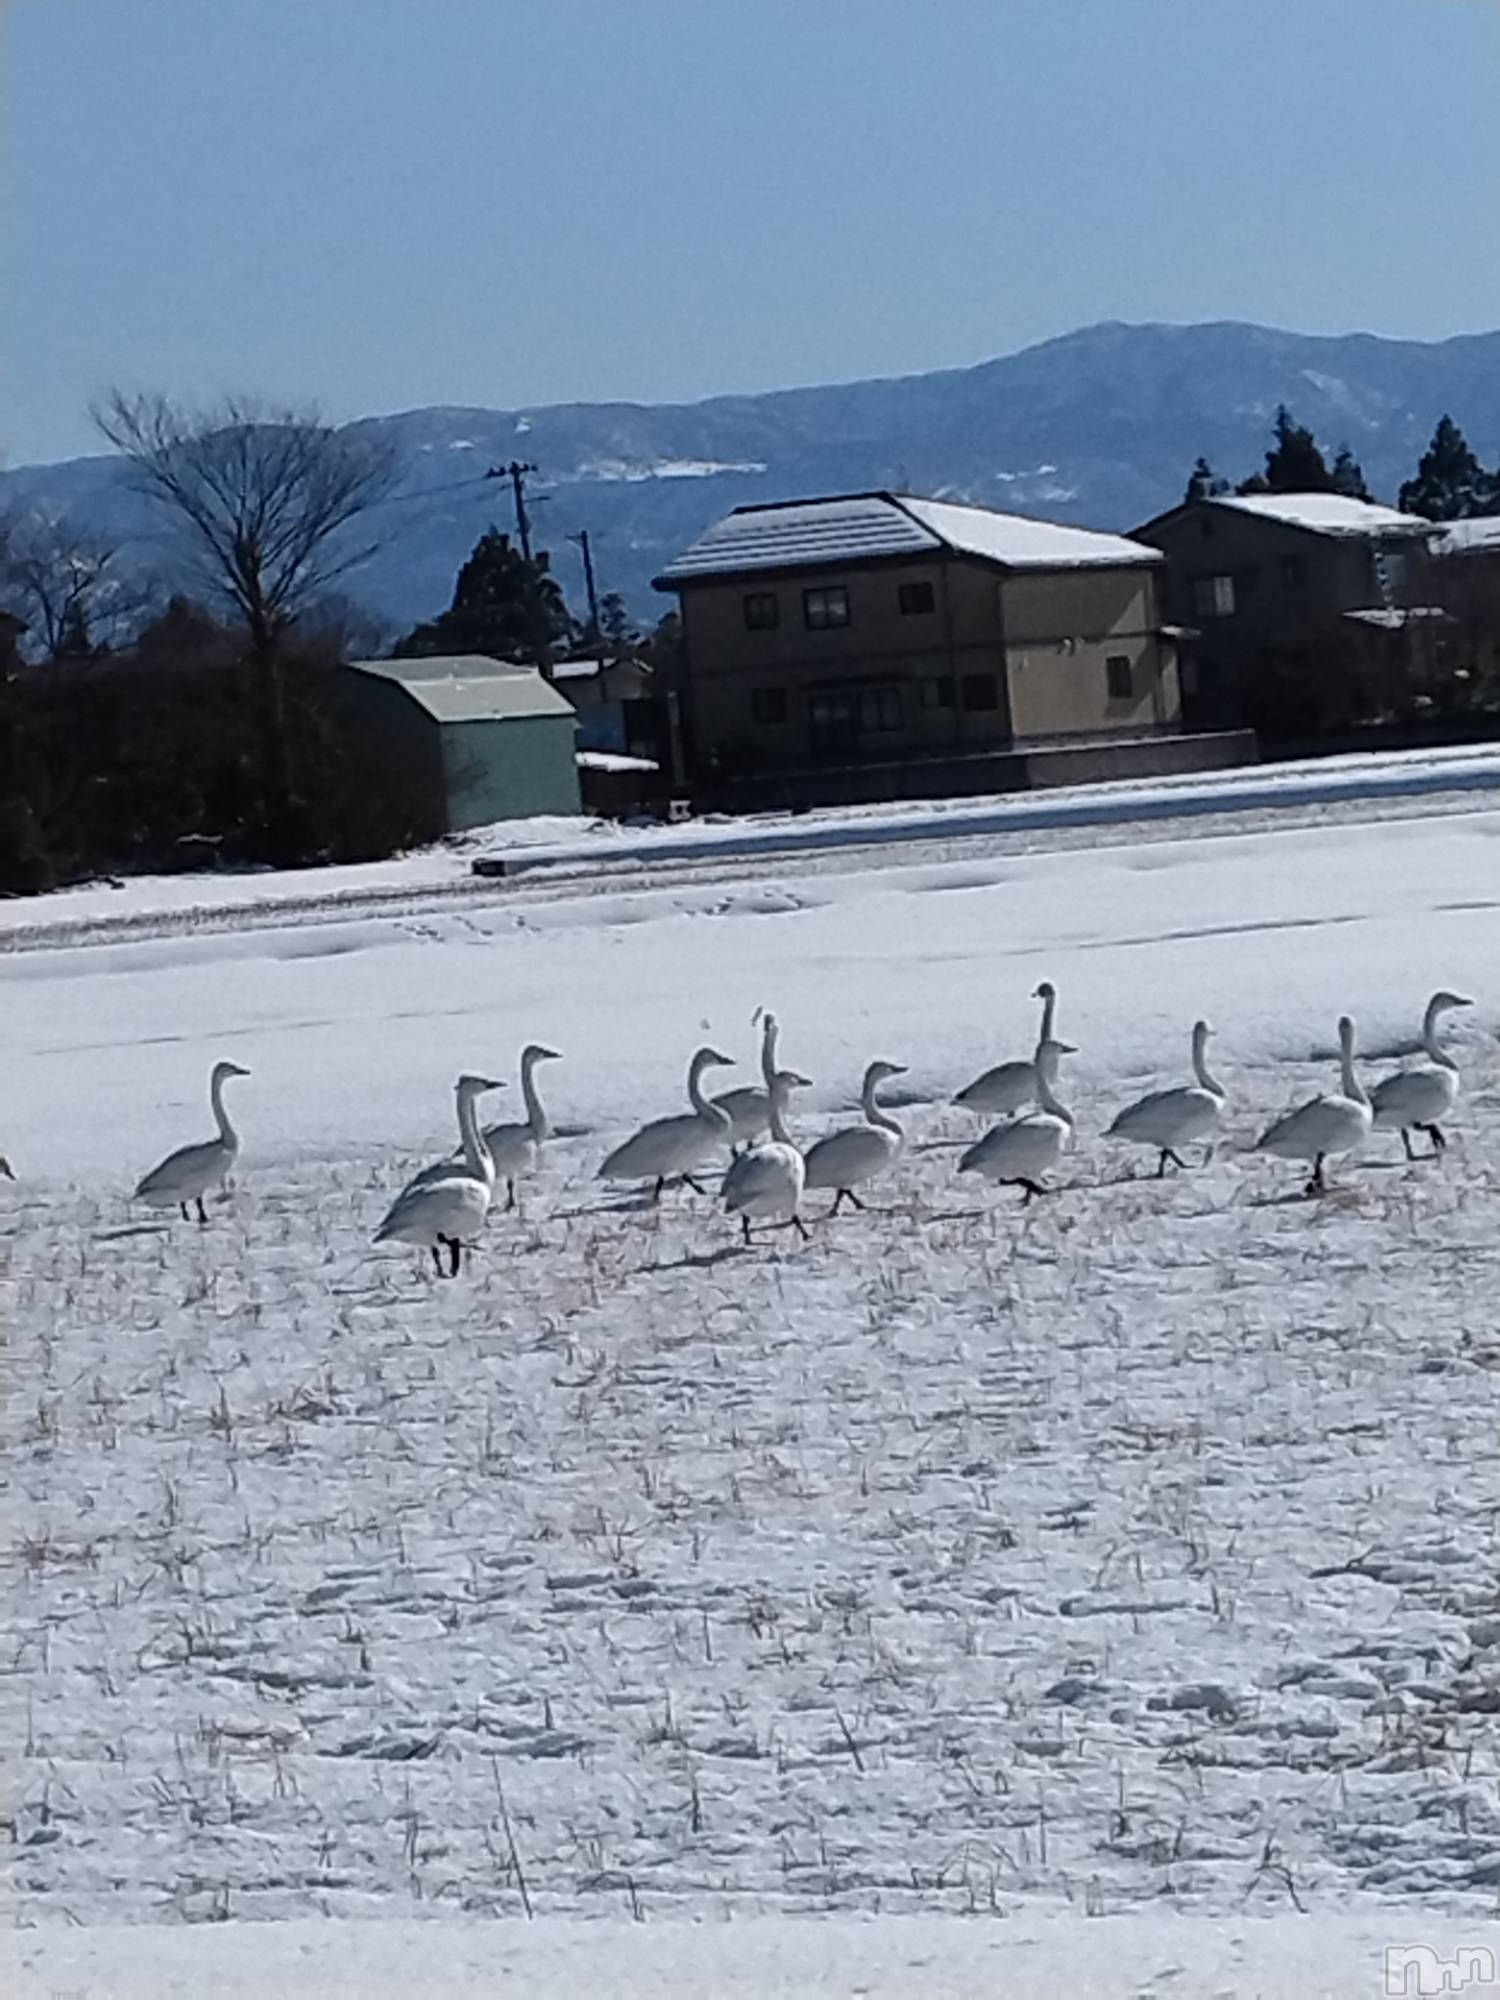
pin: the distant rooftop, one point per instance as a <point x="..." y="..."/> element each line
<point x="1467" y="538"/>
<point x="854" y="527"/>
<point x="1325" y="513"/>
<point x="470" y="687"/>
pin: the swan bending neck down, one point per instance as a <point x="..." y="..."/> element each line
<point x="846" y="1160"/>
<point x="765" y="1182"/>
<point x="516" y="1147"/>
<point x="1167" y="1119"/>
<point x="1019" y="1153"/>
<point x="1419" y="1098"/>
<point x="189" y="1173"/>
<point x="670" y="1147"/>
<point x="446" y="1210"/>
<point x="1327" y="1127"/>
<point x="1011" y="1086"/>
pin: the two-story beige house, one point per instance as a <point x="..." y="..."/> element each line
<point x="877" y="644"/>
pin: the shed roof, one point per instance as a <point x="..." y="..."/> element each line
<point x="1318" y="513"/>
<point x="1477" y="536"/>
<point x="854" y="527"/>
<point x="470" y="687"/>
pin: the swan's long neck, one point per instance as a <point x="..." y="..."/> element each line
<point x="227" y="1134"/>
<point x="476" y="1153"/>
<point x="536" y="1117"/>
<point x="1049" y="1014"/>
<point x="1200" y="1066"/>
<point x="1435" y="1050"/>
<point x="768" y="1047"/>
<point x="1350" y="1083"/>
<point x="710" y="1113"/>
<point x="780" y="1098"/>
<point x="873" y="1113"/>
<point x="1046" y="1095"/>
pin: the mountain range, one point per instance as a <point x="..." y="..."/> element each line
<point x="1098" y="427"/>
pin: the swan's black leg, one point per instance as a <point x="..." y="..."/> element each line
<point x="838" y="1202"/>
<point x="801" y="1227"/>
<point x="202" y="1211"/>
<point x="745" y="1226"/>
<point x="1406" y="1142"/>
<point x="510" y="1196"/>
<point x="437" y="1259"/>
<point x="1176" y="1158"/>
<point x="1435" y="1134"/>
<point x="1033" y="1189"/>
<point x="696" y="1186"/>
<point x="1317" y="1184"/>
<point x="855" y="1199"/>
<point x="1161" y="1165"/>
<point x="182" y="1205"/>
<point x="660" y="1184"/>
<point x="455" y="1256"/>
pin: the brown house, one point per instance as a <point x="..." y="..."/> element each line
<point x="878" y="644"/>
<point x="1306" y="611"/>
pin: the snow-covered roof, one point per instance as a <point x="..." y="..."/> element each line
<point x="1394" y="617"/>
<point x="578" y="670"/>
<point x="855" y="527"/>
<point x="613" y="760"/>
<point x="1324" y="513"/>
<point x="1473" y="537"/>
<point x="470" y="687"/>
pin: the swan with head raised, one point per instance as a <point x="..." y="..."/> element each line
<point x="444" y="1208"/>
<point x="1017" y="1154"/>
<point x="1011" y="1086"/>
<point x="1167" y="1119"/>
<point x="1421" y="1097"/>
<point x="846" y="1160"/>
<point x="516" y="1146"/>
<point x="1327" y="1127"/>
<point x="765" y="1182"/>
<point x="669" y="1147"/>
<point x="189" y="1173"/>
<point x="749" y="1108"/>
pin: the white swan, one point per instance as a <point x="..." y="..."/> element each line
<point x="516" y="1147"/>
<point x="1168" y="1119"/>
<point x="846" y="1160"/>
<point x="444" y="1208"/>
<point x="1010" y="1086"/>
<point x="1423" y="1095"/>
<point x="765" y="1182"/>
<point x="1019" y="1153"/>
<point x="750" y="1109"/>
<point x="1325" y="1127"/>
<point x="189" y="1173"/>
<point x="669" y="1146"/>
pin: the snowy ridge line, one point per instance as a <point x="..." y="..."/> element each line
<point x="641" y="872"/>
<point x="1181" y="800"/>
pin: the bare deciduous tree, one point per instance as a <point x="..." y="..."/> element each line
<point x="67" y="585"/>
<point x="268" y="499"/>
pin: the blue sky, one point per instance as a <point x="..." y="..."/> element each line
<point x="377" y="204"/>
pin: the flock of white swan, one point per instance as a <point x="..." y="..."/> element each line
<point x="444" y="1207"/>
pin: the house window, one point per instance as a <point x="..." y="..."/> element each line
<point x="980" y="691"/>
<point x="1293" y="572"/>
<point x="1393" y="563"/>
<point x="1213" y="597"/>
<point x="762" y="611"/>
<point x="1120" y="675"/>
<point x="768" y="705"/>
<point x="915" y="599"/>
<point x="823" y="609"/>
<point x="831" y="724"/>
<point x="939" y="693"/>
<point x="880" y="710"/>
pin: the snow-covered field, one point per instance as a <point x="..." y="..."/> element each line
<point x="1133" y="1558"/>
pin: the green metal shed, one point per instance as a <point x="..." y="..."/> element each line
<point x="485" y="739"/>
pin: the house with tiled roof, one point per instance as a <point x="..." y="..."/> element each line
<point x="872" y="645"/>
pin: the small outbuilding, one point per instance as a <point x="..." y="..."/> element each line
<point x="474" y="739"/>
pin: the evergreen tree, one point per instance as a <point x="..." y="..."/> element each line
<point x="1451" y="484"/>
<point x="1204" y="483"/>
<point x="1294" y="464"/>
<point x="503" y="605"/>
<point x="1348" y="477"/>
<point x="615" y="627"/>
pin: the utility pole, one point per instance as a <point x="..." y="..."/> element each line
<point x="516" y="473"/>
<point x="582" y="539"/>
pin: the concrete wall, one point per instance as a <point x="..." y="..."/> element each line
<point x="1062" y="629"/>
<point x="509" y="769"/>
<point x="393" y="742"/>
